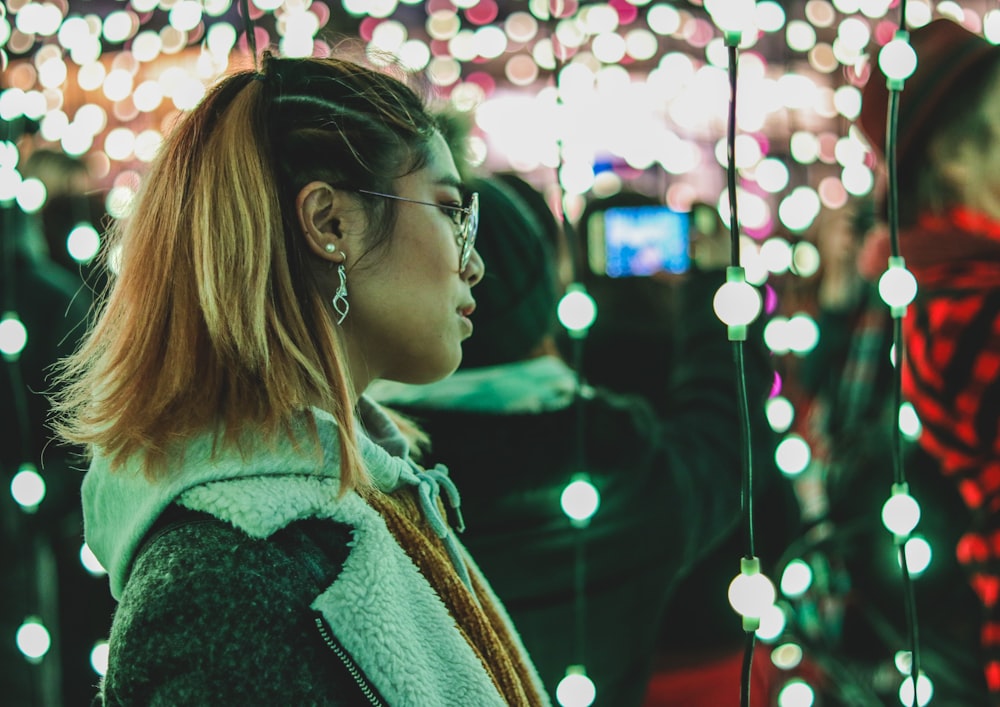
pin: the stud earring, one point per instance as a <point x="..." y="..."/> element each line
<point x="330" y="248"/>
<point x="340" y="303"/>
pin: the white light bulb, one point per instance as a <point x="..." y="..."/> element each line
<point x="576" y="689"/>
<point x="897" y="287"/>
<point x="751" y="593"/>
<point x="796" y="693"/>
<point x="901" y="512"/>
<point x="909" y="422"/>
<point x="897" y="59"/>
<point x="918" y="555"/>
<point x="27" y="488"/>
<point x="33" y="639"/>
<point x="99" y="657"/>
<point x="796" y="579"/>
<point x="577" y="310"/>
<point x="733" y="17"/>
<point x="13" y="335"/>
<point x="925" y="690"/>
<point x="793" y="455"/>
<point x="580" y="500"/>
<point x="90" y="561"/>
<point x="83" y="242"/>
<point x="772" y="623"/>
<point x="737" y="303"/>
<point x="780" y="413"/>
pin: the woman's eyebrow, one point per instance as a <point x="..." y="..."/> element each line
<point x="449" y="180"/>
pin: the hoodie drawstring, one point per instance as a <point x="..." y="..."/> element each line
<point x="430" y="483"/>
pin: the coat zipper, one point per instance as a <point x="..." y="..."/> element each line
<point x="349" y="663"/>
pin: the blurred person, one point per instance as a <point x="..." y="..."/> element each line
<point x="948" y="153"/>
<point x="270" y="539"/>
<point x="516" y="424"/>
<point x="42" y="575"/>
<point x="635" y="314"/>
<point x="72" y="199"/>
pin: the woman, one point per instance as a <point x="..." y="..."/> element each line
<point x="268" y="537"/>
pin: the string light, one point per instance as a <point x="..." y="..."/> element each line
<point x="897" y="287"/>
<point x="33" y="639"/>
<point x="28" y="488"/>
<point x="897" y="59"/>
<point x="737" y="303"/>
<point x="576" y="689"/>
<point x="13" y="336"/>
<point x="580" y="500"/>
<point x="733" y="17"/>
<point x="577" y="310"/>
<point x="924" y="691"/>
<point x="901" y="512"/>
<point x="751" y="593"/>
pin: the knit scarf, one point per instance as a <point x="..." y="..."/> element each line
<point x="951" y="374"/>
<point x="475" y="612"/>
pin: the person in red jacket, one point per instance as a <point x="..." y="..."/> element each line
<point x="948" y="152"/>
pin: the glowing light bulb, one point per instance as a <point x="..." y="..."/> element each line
<point x="897" y="287"/>
<point x="796" y="693"/>
<point x="33" y="639"/>
<point x="90" y="561"/>
<point x="13" y="335"/>
<point x="772" y="623"/>
<point x="737" y="303"/>
<point x="733" y="17"/>
<point x="577" y="310"/>
<point x="83" y="242"/>
<point x="751" y="593"/>
<point x="99" y="657"/>
<point x="28" y="488"/>
<point x="780" y="413"/>
<point x="796" y="579"/>
<point x="925" y="690"/>
<point x="918" y="555"/>
<point x="576" y="689"/>
<point x="897" y="60"/>
<point x="909" y="422"/>
<point x="901" y="512"/>
<point x="793" y="455"/>
<point x="580" y="500"/>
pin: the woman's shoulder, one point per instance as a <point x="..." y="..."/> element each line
<point x="205" y="601"/>
<point x="189" y="554"/>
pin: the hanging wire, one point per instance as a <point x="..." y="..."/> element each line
<point x="746" y="490"/>
<point x="899" y="472"/>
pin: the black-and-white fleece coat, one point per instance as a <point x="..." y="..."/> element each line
<point x="257" y="585"/>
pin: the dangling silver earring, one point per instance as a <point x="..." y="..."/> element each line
<point x="340" y="303"/>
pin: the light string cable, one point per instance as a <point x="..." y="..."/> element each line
<point x="896" y="279"/>
<point x="737" y="303"/>
<point x="746" y="490"/>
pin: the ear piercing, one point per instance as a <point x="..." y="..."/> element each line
<point x="330" y="248"/>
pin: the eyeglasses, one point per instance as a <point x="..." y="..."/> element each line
<point x="465" y="218"/>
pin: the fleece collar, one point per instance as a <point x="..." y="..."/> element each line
<point x="119" y="507"/>
<point x="536" y="385"/>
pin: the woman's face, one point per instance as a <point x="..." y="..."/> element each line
<point x="409" y="303"/>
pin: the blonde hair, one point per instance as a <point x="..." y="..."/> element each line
<point x="215" y="322"/>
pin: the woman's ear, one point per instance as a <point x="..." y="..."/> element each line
<point x="324" y="214"/>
